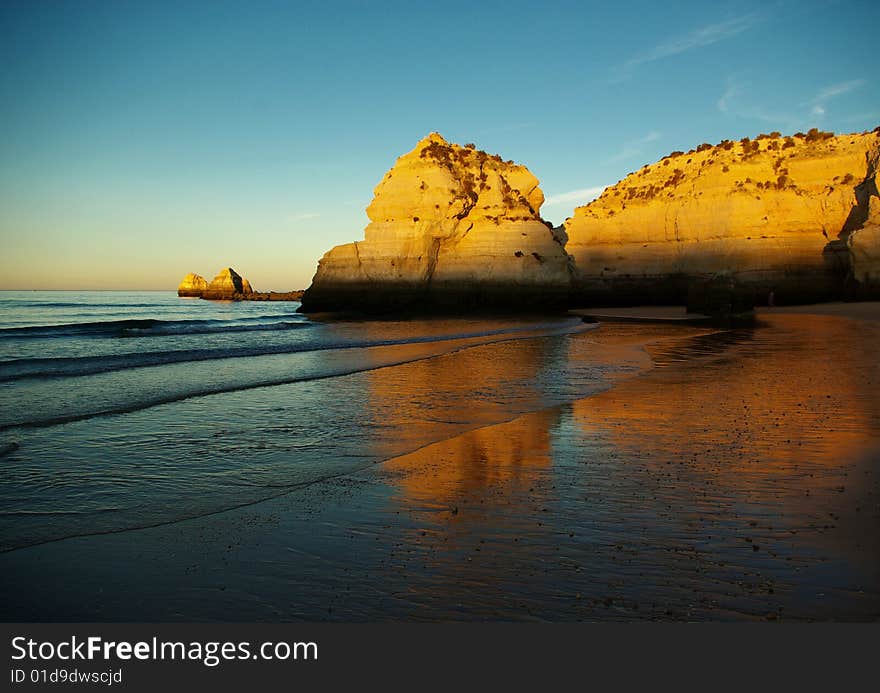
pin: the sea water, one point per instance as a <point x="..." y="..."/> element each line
<point x="121" y="410"/>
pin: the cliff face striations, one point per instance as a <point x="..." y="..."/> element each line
<point x="862" y="230"/>
<point x="451" y="227"/>
<point x="777" y="213"/>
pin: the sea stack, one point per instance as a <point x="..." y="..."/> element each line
<point x="192" y="286"/>
<point x="797" y="216"/>
<point x="228" y="284"/>
<point x="451" y="227"/>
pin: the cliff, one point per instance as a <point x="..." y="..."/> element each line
<point x="796" y="215"/>
<point x="862" y="231"/>
<point x="450" y="227"/>
<point x="193" y="286"/>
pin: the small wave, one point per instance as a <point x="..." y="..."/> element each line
<point x="78" y="304"/>
<point x="63" y="367"/>
<point x="132" y="327"/>
<point x="348" y="366"/>
<point x="50" y="513"/>
<point x="167" y="330"/>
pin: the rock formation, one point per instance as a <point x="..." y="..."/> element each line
<point x="775" y="213"/>
<point x="862" y="231"/>
<point x="450" y="227"/>
<point x="228" y="285"/>
<point x="193" y="286"/>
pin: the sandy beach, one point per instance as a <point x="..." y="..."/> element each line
<point x="728" y="475"/>
<point x="865" y="310"/>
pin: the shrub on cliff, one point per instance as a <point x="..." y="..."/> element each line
<point x="817" y="135"/>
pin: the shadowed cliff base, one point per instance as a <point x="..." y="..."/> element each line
<point x="787" y="289"/>
<point x="448" y="298"/>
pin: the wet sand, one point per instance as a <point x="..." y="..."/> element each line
<point x="864" y="310"/>
<point x="737" y="477"/>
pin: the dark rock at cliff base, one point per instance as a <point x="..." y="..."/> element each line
<point x="723" y="299"/>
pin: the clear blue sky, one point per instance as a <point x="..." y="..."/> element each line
<point x="143" y="140"/>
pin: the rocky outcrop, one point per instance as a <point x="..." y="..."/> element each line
<point x="192" y="286"/>
<point x="775" y="213"/>
<point x="862" y="232"/>
<point x="450" y="227"/>
<point x="228" y="285"/>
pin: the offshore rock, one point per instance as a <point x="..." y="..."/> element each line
<point x="192" y="286"/>
<point x="227" y="285"/>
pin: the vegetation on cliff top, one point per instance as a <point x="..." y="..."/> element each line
<point x="652" y="182"/>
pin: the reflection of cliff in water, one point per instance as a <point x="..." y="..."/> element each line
<point x="764" y="425"/>
<point x="737" y="478"/>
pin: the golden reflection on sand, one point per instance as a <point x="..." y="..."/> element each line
<point x="742" y="470"/>
<point x="809" y="396"/>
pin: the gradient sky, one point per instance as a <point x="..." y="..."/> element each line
<point x="143" y="140"/>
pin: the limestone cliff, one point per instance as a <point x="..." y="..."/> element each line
<point x="193" y="286"/>
<point x="450" y="226"/>
<point x="776" y="213"/>
<point x="862" y="231"/>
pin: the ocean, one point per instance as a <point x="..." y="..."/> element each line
<point x="121" y="410"/>
<point x="167" y="459"/>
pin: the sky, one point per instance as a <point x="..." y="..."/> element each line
<point x="143" y="140"/>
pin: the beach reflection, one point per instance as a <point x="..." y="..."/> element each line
<point x="736" y="479"/>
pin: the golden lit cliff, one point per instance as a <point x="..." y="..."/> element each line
<point x="449" y="226"/>
<point x="797" y="215"/>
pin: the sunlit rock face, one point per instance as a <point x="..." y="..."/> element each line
<point x="228" y="284"/>
<point x="863" y="240"/>
<point x="777" y="213"/>
<point x="193" y="286"/>
<point x="450" y="226"/>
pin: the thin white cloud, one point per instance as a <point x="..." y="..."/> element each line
<point x="303" y="217"/>
<point x="698" y="38"/>
<point x="801" y="116"/>
<point x="581" y="196"/>
<point x="836" y="90"/>
<point x="634" y="147"/>
<point x="723" y="103"/>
